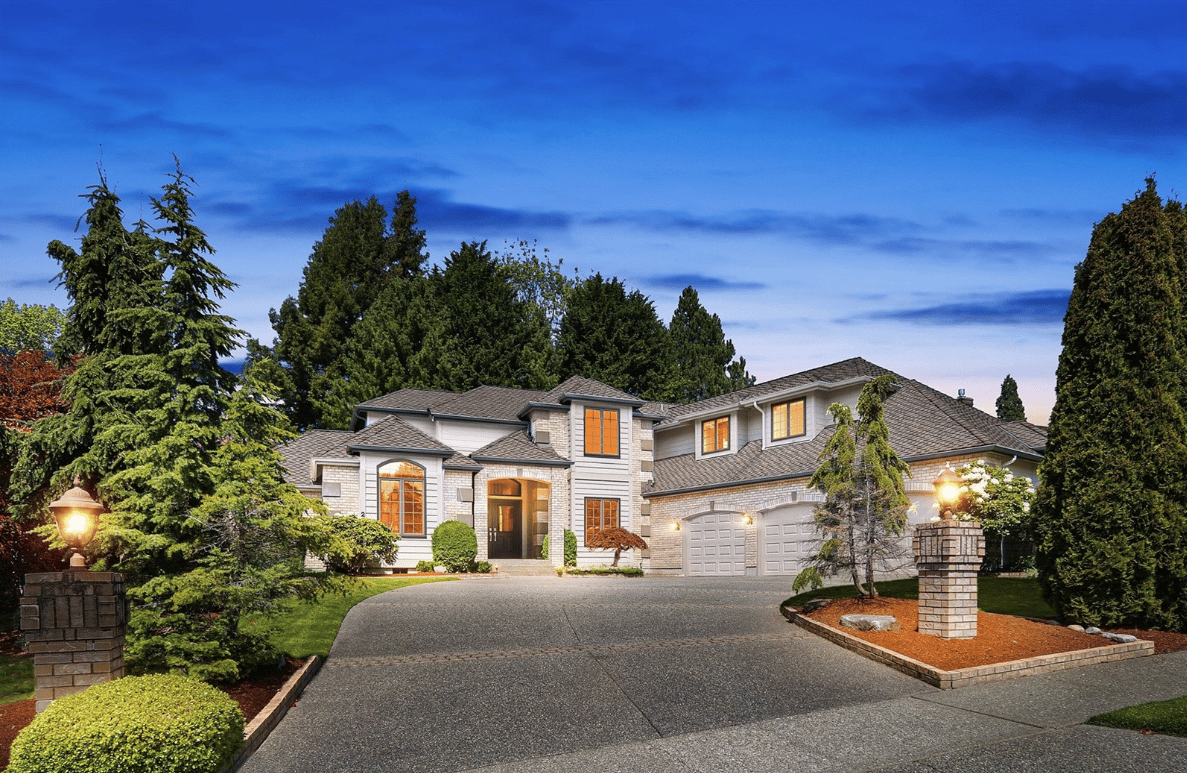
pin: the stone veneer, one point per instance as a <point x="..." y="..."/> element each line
<point x="948" y="555"/>
<point x="75" y="623"/>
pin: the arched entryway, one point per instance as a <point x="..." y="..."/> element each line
<point x="516" y="517"/>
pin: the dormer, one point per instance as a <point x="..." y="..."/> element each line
<point x="717" y="435"/>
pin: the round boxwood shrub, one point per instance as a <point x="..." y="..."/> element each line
<point x="163" y="723"/>
<point x="356" y="543"/>
<point x="455" y="545"/>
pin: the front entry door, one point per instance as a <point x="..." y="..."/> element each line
<point x="506" y="530"/>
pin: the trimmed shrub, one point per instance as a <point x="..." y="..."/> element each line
<point x="355" y="542"/>
<point x="424" y="566"/>
<point x="455" y="545"/>
<point x="570" y="548"/>
<point x="140" y="724"/>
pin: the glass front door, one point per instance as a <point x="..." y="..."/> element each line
<point x="505" y="527"/>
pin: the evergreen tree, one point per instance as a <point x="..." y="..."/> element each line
<point x="703" y="356"/>
<point x="480" y="333"/>
<point x="1111" y="513"/>
<point x="864" y="515"/>
<point x="1009" y="404"/>
<point x="615" y="337"/>
<point x="358" y="255"/>
<point x="178" y="458"/>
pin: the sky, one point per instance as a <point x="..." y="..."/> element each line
<point x="909" y="183"/>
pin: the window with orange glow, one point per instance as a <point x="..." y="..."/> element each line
<point x="402" y="498"/>
<point x="715" y="435"/>
<point x="787" y="420"/>
<point x="601" y="432"/>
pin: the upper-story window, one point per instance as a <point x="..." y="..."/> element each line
<point x="601" y="432"/>
<point x="715" y="435"/>
<point x="402" y="498"/>
<point x="787" y="419"/>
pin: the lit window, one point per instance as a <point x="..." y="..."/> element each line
<point x="601" y="432"/>
<point x="787" y="419"/>
<point x="715" y="435"/>
<point x="600" y="514"/>
<point x="402" y="498"/>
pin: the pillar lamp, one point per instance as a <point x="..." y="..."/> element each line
<point x="77" y="516"/>
<point x="947" y="492"/>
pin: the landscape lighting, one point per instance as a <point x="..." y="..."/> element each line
<point x="77" y="517"/>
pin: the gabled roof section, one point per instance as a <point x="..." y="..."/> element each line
<point x="488" y="402"/>
<point x="395" y="435"/>
<point x="846" y="371"/>
<point x="1031" y="434"/>
<point x="460" y="461"/>
<point x="314" y="444"/>
<point x="419" y="400"/>
<point x="518" y="448"/>
<point x="925" y="423"/>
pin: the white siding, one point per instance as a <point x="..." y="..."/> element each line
<point x="469" y="436"/>
<point x="601" y="477"/>
<point x="412" y="549"/>
<point x="678" y="441"/>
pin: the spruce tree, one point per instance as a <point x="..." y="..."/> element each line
<point x="1111" y="513"/>
<point x="1009" y="404"/>
<point x="702" y="355"/>
<point x="615" y="337"/>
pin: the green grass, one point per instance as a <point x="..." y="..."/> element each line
<point x="1001" y="595"/>
<point x="16" y="678"/>
<point x="1169" y="717"/>
<point x="309" y="629"/>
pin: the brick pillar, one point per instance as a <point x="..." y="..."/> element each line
<point x="75" y="623"/>
<point x="948" y="555"/>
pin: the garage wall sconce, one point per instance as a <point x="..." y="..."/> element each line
<point x="748" y="519"/>
<point x="674" y="526"/>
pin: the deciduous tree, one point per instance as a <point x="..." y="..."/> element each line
<point x="29" y="326"/>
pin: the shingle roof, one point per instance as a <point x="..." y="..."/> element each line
<point x="410" y="399"/>
<point x="923" y="424"/>
<point x="394" y="434"/>
<point x="460" y="461"/>
<point x="488" y="402"/>
<point x="518" y="447"/>
<point x="586" y="387"/>
<point x="1032" y="434"/>
<point x="314" y="444"/>
<point x="844" y="370"/>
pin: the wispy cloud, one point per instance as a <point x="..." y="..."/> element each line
<point x="815" y="227"/>
<point x="1004" y="249"/>
<point x="699" y="282"/>
<point x="1020" y="308"/>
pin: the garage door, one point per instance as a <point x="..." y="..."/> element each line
<point x="788" y="539"/>
<point x="716" y="544"/>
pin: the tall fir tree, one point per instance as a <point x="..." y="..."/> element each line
<point x="1111" y="513"/>
<point x="357" y="256"/>
<point x="481" y="333"/>
<point x="1009" y="403"/>
<point x="617" y="338"/>
<point x="162" y="437"/>
<point x="703" y="356"/>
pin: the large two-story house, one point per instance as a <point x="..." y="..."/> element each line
<point x="715" y="487"/>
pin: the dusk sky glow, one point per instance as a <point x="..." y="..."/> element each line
<point x="909" y="183"/>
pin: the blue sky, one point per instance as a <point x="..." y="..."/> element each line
<point x="910" y="183"/>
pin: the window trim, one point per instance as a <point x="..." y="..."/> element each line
<point x="602" y="515"/>
<point x="716" y="421"/>
<point x="399" y="519"/>
<point x="804" y="416"/>
<point x="602" y="413"/>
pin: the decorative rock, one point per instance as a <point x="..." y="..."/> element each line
<point x="1120" y="638"/>
<point x="1078" y="628"/>
<point x="816" y="604"/>
<point x="870" y="622"/>
<point x="1092" y="629"/>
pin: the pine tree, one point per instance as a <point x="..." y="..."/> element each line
<point x="615" y="337"/>
<point x="1009" y="404"/>
<point x="703" y="356"/>
<point x="481" y="334"/>
<point x="1111" y="513"/>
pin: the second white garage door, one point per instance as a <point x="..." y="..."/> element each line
<point x="787" y="539"/>
<point x="716" y="545"/>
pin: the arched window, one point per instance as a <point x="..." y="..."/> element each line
<point x="402" y="497"/>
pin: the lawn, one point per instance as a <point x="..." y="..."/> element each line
<point x="309" y="629"/>
<point x="1018" y="596"/>
<point x="1168" y="717"/>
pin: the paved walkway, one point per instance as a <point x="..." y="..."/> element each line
<point x="570" y="675"/>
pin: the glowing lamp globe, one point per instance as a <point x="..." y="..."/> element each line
<point x="77" y="517"/>
<point x="947" y="492"/>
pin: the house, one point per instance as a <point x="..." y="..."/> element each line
<point x="717" y="487"/>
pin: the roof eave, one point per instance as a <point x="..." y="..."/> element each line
<point x="530" y="462"/>
<point x="399" y="450"/>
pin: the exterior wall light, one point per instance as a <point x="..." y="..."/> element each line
<point x="77" y="517"/>
<point x="748" y="519"/>
<point x="674" y="526"/>
<point x="947" y="492"/>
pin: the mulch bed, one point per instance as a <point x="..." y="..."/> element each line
<point x="999" y="639"/>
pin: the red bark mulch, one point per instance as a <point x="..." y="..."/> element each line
<point x="1000" y="638"/>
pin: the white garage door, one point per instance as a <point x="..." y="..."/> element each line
<point x="716" y="544"/>
<point x="788" y="538"/>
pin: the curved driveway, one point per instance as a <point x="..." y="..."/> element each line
<point x="638" y="675"/>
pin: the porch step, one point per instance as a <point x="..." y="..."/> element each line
<point x="525" y="567"/>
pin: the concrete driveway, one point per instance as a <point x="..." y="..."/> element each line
<point x="656" y="675"/>
<point x="456" y="675"/>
